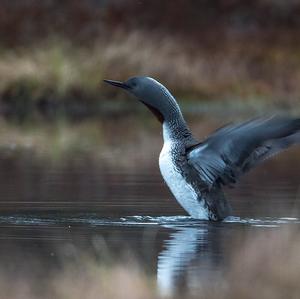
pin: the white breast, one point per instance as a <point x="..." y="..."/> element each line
<point x="183" y="192"/>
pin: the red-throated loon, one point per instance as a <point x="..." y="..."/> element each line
<point x="195" y="171"/>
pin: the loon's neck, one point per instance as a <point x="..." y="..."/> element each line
<point x="176" y="130"/>
<point x="166" y="109"/>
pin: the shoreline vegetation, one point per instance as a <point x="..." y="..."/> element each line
<point x="54" y="56"/>
<point x="56" y="78"/>
<point x="221" y="60"/>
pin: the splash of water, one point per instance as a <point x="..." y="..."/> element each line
<point x="138" y="220"/>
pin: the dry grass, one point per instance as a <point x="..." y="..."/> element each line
<point x="266" y="265"/>
<point x="241" y="70"/>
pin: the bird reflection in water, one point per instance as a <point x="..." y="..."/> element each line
<point x="180" y="258"/>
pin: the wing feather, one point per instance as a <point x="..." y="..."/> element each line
<point x="237" y="148"/>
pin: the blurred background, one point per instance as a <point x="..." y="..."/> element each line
<point x="54" y="55"/>
<point x="79" y="177"/>
<point x="224" y="60"/>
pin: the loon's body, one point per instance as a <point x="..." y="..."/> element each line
<point x="185" y="183"/>
<point x="196" y="171"/>
<point x="172" y="162"/>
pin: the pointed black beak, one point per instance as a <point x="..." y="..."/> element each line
<point x="117" y="83"/>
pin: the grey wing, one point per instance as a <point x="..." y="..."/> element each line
<point x="235" y="149"/>
<point x="270" y="149"/>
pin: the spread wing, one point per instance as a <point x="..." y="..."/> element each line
<point x="235" y="149"/>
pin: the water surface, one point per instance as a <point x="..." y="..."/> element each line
<point x="50" y="212"/>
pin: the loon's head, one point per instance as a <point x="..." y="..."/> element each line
<point x="153" y="94"/>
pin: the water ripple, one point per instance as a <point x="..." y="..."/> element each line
<point x="138" y="220"/>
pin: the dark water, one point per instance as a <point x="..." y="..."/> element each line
<point x="49" y="211"/>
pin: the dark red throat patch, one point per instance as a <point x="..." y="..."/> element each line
<point x="156" y="112"/>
